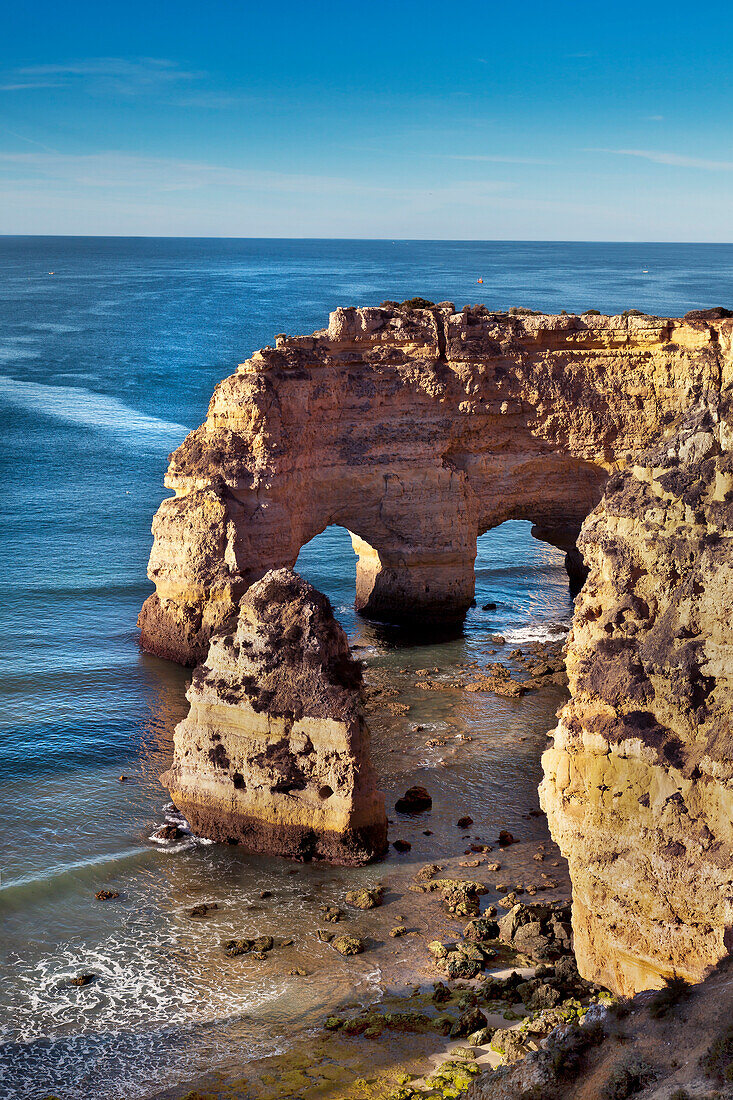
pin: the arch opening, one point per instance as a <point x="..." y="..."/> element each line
<point x="522" y="586"/>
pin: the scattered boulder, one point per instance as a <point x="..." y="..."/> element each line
<point x="82" y="979"/>
<point x="106" y="895"/>
<point x="414" y="801"/>
<point x="401" y="845"/>
<point x="541" y="930"/>
<point x="368" y="897"/>
<point x="459" y="896"/>
<point x="430" y="870"/>
<point x="331" y="913"/>
<point x="468" y="1022"/>
<point x="464" y="822"/>
<point x="348" y="945"/>
<point x="480" y="929"/>
<point x="203" y="909"/>
<point x="234" y="948"/>
<point x="506" y="838"/>
<point x="169" y="831"/>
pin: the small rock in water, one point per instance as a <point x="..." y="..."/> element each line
<point x="349" y="945"/>
<point x="234" y="948"/>
<point x="82" y="979"/>
<point x="331" y="913"/>
<point x="401" y="845"/>
<point x="490" y="606"/>
<point x="506" y="838"/>
<point x="464" y="822"/>
<point x="414" y="801"/>
<point x="123" y="778"/>
<point x="400" y="930"/>
<point x="168" y="832"/>
<point x="265" y="893"/>
<point x="298" y="972"/>
<point x="106" y="895"/>
<point x="427" y="832"/>
<point x="366" y="898"/>
<point x="324" y="935"/>
<point x="263" y="943"/>
<point x="428" y="871"/>
<point x="202" y="910"/>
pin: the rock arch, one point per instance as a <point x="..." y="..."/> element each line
<point x="418" y="429"/>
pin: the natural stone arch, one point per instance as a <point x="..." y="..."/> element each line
<point x="417" y="429"/>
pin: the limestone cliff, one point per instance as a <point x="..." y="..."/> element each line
<point x="418" y="430"/>
<point x="274" y="753"/>
<point x="639" y="784"/>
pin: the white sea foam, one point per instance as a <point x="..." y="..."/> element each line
<point x="155" y="1006"/>
<point x="537" y="632"/>
<point x="91" y="410"/>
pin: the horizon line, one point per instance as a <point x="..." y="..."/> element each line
<point x="385" y="240"/>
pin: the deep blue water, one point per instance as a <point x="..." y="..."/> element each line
<point x="104" y="366"/>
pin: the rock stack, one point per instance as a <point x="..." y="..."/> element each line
<point x="274" y="753"/>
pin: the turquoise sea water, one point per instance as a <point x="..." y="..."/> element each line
<point x="104" y="366"/>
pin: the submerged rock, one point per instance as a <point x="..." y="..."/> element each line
<point x="414" y="801"/>
<point x="274" y="753"/>
<point x="203" y="909"/>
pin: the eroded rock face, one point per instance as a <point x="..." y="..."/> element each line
<point x="274" y="753"/>
<point x="638" y="787"/>
<point x="417" y="430"/>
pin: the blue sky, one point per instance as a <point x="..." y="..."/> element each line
<point x="481" y="121"/>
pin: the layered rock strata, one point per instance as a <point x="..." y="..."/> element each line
<point x="417" y="430"/>
<point x="274" y="753"/>
<point x="638" y="787"/>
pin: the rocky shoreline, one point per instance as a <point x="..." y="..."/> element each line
<point x="433" y="931"/>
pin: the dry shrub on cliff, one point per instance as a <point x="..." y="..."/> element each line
<point x="416" y="303"/>
<point x="717" y="1062"/>
<point x="626" y="1079"/>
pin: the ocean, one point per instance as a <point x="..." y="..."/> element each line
<point x="109" y="351"/>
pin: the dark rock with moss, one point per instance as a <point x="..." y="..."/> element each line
<point x="348" y="945"/>
<point x="541" y="930"/>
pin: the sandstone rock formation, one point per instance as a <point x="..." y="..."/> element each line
<point x="638" y="787"/>
<point x="274" y="753"/>
<point x="418" y="430"/>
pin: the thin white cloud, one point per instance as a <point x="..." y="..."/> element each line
<point x="676" y="160"/>
<point x="116" y="172"/>
<point x="26" y="85"/>
<point x="118" y="75"/>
